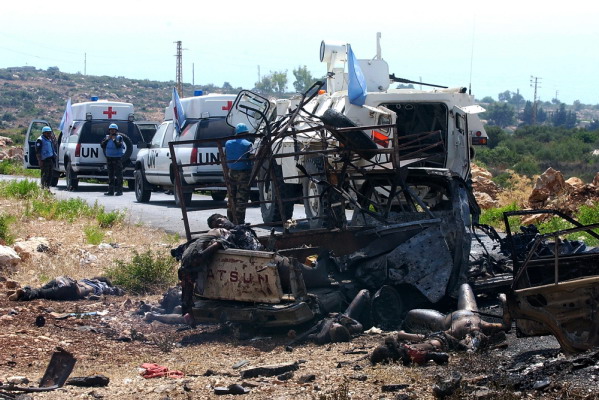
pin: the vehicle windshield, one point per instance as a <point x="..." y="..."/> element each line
<point x="211" y="128"/>
<point x="96" y="131"/>
<point x="415" y="118"/>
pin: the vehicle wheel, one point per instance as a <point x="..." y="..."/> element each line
<point x="143" y="192"/>
<point x="354" y="140"/>
<point x="388" y="308"/>
<point x="317" y="198"/>
<point x="186" y="198"/>
<point x="71" y="178"/>
<point x="270" y="205"/>
<point x="218" y="196"/>
<point x="131" y="183"/>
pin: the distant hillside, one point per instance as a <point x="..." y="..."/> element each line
<point x="27" y="93"/>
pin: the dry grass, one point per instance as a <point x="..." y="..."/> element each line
<point x="518" y="192"/>
<point x="69" y="252"/>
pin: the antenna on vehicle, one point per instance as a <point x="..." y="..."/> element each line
<point x="471" y="55"/>
<point x="378" y="46"/>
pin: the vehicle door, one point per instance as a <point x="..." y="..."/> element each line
<point x="458" y="146"/>
<point x="206" y="153"/>
<point x="67" y="143"/>
<point x="33" y="133"/>
<point x="156" y="166"/>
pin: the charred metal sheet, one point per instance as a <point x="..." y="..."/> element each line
<point x="263" y="315"/>
<point x="423" y="261"/>
<point x="242" y="275"/>
<point x="569" y="310"/>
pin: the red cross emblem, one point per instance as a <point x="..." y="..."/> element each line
<point x="109" y="112"/>
<point x="228" y="106"/>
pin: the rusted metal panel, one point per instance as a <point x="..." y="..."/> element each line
<point x="569" y="310"/>
<point x="242" y="275"/>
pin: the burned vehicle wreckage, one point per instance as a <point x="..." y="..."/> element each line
<point x="390" y="219"/>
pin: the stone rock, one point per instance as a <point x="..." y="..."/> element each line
<point x="477" y="171"/>
<point x="550" y="183"/>
<point x="485" y="201"/>
<point x="15" y="153"/>
<point x="596" y="180"/>
<point x="5" y="141"/>
<point x="28" y="248"/>
<point x="17" y="380"/>
<point x="8" y="257"/>
<point x="574" y="182"/>
<point x="10" y="284"/>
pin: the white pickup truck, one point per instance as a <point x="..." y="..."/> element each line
<point x="205" y="119"/>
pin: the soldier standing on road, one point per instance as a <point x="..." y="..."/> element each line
<point x="114" y="150"/>
<point x="45" y="150"/>
<point x="240" y="166"/>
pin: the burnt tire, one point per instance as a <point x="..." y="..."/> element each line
<point x="388" y="308"/>
<point x="269" y="206"/>
<point x="355" y="140"/>
<point x="143" y="191"/>
<point x="71" y="177"/>
<point x="318" y="197"/>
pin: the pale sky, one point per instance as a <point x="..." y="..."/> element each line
<point x="496" y="45"/>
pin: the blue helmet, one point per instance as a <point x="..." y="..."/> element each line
<point x="113" y="126"/>
<point x="241" y="128"/>
<point x="46" y="129"/>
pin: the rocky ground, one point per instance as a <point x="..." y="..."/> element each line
<point x="107" y="337"/>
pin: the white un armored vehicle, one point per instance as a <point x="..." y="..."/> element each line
<point x="433" y="128"/>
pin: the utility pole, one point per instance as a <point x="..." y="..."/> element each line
<point x="536" y="80"/>
<point x="179" y="80"/>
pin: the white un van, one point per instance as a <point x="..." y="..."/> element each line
<point x="206" y="119"/>
<point x="79" y="151"/>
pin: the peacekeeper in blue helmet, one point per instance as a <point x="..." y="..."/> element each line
<point x="114" y="150"/>
<point x="240" y="166"/>
<point x="45" y="151"/>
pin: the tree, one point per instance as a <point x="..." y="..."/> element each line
<point x="526" y="115"/>
<point x="505" y="96"/>
<point x="578" y="105"/>
<point x="500" y="114"/>
<point x="487" y="99"/>
<point x="279" y="80"/>
<point x="303" y="79"/>
<point x="273" y="83"/>
<point x="594" y="125"/>
<point x="265" y="86"/>
<point x="227" y="88"/>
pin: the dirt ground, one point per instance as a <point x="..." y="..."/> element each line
<point x="117" y="341"/>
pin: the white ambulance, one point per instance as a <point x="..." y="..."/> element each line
<point x="78" y="148"/>
<point x="205" y="119"/>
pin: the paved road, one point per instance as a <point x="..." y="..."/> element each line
<point x="161" y="211"/>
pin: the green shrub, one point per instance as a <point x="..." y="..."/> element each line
<point x="13" y="167"/>
<point x="93" y="234"/>
<point x="108" y="219"/>
<point x="494" y="216"/>
<point x="5" y="235"/>
<point x="145" y="273"/>
<point x="69" y="209"/>
<point x="22" y="189"/>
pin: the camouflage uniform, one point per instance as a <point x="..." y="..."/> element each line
<point x="240" y="194"/>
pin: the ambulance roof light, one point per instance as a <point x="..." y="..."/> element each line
<point x="88" y="116"/>
<point x="94" y="98"/>
<point x="198" y="92"/>
<point x="131" y="117"/>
